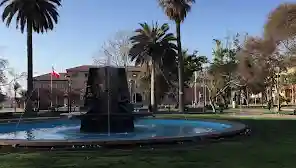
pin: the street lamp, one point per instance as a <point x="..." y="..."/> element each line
<point x="130" y="81"/>
<point x="204" y="87"/>
<point x="195" y="88"/>
<point x="68" y="93"/>
<point x="135" y="88"/>
<point x="38" y="91"/>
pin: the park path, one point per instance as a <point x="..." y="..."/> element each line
<point x="274" y="116"/>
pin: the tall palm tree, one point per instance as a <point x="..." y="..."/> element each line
<point x="155" y="46"/>
<point x="177" y="11"/>
<point x="35" y="16"/>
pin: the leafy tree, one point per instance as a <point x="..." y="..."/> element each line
<point x="280" y="28"/>
<point x="153" y="46"/>
<point x="252" y="73"/>
<point x="260" y="62"/>
<point x="192" y="62"/>
<point x="16" y="87"/>
<point x="278" y="48"/>
<point x="281" y="22"/>
<point x="177" y="11"/>
<point x="289" y="78"/>
<point x="222" y="73"/>
<point x="35" y="16"/>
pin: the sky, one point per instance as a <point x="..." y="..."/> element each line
<point x="85" y="25"/>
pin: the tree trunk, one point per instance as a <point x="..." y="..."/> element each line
<point x="263" y="97"/>
<point x="233" y="102"/>
<point x="29" y="106"/>
<point x="247" y="97"/>
<point x="224" y="101"/>
<point x="278" y="99"/>
<point x="180" y="68"/>
<point x="212" y="105"/>
<point x="152" y="92"/>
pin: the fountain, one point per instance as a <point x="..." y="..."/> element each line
<point x="109" y="121"/>
<point x="108" y="102"/>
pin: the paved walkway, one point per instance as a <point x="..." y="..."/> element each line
<point x="5" y="110"/>
<point x="275" y="116"/>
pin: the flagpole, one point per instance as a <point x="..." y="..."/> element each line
<point x="51" y="88"/>
<point x="56" y="95"/>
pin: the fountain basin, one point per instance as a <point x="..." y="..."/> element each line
<point x="98" y="123"/>
<point x="66" y="132"/>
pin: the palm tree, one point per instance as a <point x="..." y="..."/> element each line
<point x="16" y="87"/>
<point x="36" y="16"/>
<point x="177" y="11"/>
<point x="154" y="46"/>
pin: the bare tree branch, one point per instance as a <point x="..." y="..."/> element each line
<point x="115" y="50"/>
<point x="3" y="65"/>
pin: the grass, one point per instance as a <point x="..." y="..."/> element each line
<point x="272" y="145"/>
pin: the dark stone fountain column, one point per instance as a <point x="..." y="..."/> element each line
<point x="107" y="91"/>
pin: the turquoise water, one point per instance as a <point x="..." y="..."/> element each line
<point x="66" y="129"/>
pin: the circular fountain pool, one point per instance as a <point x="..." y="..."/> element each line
<point x="66" y="132"/>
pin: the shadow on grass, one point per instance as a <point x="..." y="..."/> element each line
<point x="271" y="144"/>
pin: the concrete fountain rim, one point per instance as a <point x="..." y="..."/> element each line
<point x="235" y="130"/>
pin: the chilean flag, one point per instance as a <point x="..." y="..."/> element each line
<point x="55" y="73"/>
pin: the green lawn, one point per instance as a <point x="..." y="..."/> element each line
<point x="271" y="145"/>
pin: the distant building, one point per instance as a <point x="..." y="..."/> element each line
<point x="42" y="94"/>
<point x="288" y="91"/>
<point x="201" y="95"/>
<point x="71" y="86"/>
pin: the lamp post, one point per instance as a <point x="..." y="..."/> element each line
<point x="204" y="94"/>
<point x="135" y="92"/>
<point x="195" y="88"/>
<point x="135" y="87"/>
<point x="68" y="93"/>
<point x="130" y="88"/>
<point x="204" y="87"/>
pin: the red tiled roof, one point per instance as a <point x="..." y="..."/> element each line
<point x="82" y="68"/>
<point x="85" y="68"/>
<point x="47" y="77"/>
